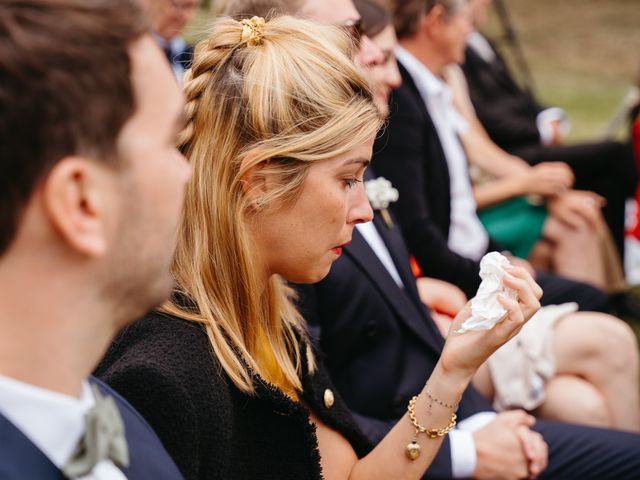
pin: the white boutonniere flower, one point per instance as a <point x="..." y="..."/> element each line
<point x="381" y="193"/>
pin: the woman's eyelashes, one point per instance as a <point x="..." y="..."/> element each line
<point x="351" y="182"/>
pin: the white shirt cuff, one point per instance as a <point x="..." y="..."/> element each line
<point x="463" y="453"/>
<point x="543" y="122"/>
<point x="463" y="446"/>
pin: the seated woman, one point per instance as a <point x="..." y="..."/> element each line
<point x="280" y="130"/>
<point x="533" y="211"/>
<point x="577" y="367"/>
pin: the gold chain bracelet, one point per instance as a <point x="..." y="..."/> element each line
<point x="413" y="449"/>
<point x="432" y="398"/>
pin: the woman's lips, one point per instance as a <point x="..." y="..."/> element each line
<point x="338" y="250"/>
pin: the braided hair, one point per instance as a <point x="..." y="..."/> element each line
<point x="279" y="95"/>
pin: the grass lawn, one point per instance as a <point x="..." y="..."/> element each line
<point x="584" y="55"/>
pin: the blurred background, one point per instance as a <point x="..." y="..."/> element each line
<point x="583" y="55"/>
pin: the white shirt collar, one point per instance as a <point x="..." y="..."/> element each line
<point x="374" y="240"/>
<point x="54" y="422"/>
<point x="481" y="46"/>
<point x="422" y="76"/>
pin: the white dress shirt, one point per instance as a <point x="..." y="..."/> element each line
<point x="52" y="421"/>
<point x="467" y="236"/>
<point x="373" y="238"/>
<point x="463" y="447"/>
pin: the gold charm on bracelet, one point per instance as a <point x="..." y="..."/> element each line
<point x="413" y="449"/>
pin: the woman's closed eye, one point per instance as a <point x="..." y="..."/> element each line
<point x="351" y="182"/>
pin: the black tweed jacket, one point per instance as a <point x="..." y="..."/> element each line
<point x="166" y="368"/>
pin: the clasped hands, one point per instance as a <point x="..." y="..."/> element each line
<point x="507" y="448"/>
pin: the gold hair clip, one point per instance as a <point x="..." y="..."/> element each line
<point x="252" y="31"/>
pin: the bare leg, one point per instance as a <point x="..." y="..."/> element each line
<point x="571" y="399"/>
<point x="603" y="351"/>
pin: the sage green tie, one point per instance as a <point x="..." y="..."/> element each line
<point x="104" y="438"/>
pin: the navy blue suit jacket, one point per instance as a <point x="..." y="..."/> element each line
<point x="379" y="341"/>
<point x="20" y="459"/>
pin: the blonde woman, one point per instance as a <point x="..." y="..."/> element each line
<point x="280" y="130"/>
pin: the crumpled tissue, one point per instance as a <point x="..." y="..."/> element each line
<point x="486" y="311"/>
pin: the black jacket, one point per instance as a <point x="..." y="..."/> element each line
<point x="381" y="345"/>
<point x="409" y="154"/>
<point x="379" y="341"/>
<point x="506" y="111"/>
<point x="166" y="368"/>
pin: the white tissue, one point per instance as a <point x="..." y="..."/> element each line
<point x="486" y="311"/>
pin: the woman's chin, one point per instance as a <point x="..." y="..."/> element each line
<point x="314" y="276"/>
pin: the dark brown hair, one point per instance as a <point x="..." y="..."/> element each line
<point x="65" y="89"/>
<point x="373" y="15"/>
<point x="407" y="13"/>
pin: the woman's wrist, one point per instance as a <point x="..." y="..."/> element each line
<point x="448" y="384"/>
<point x="519" y="185"/>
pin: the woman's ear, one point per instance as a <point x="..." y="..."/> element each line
<point x="76" y="202"/>
<point x="253" y="178"/>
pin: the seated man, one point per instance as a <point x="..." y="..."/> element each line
<point x="379" y="341"/>
<point x="420" y="153"/>
<point x="519" y="124"/>
<point x="168" y="19"/>
<point x="91" y="191"/>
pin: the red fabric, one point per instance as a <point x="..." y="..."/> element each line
<point x="415" y="268"/>
<point x="636" y="139"/>
<point x="635" y="230"/>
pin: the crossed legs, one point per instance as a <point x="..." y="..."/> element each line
<point x="597" y="376"/>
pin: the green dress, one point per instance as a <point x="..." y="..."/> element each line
<point x="516" y="224"/>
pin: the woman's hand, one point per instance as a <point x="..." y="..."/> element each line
<point x="463" y="353"/>
<point x="549" y="178"/>
<point x="578" y="208"/>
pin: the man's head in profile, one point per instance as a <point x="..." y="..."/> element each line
<point x="91" y="183"/>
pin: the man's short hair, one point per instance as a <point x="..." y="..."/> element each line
<point x="408" y="13"/>
<point x="65" y="89"/>
<point x="262" y="8"/>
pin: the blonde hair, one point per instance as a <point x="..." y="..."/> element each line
<point x="282" y="99"/>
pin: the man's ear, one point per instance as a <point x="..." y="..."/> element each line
<point x="76" y="203"/>
<point x="434" y="19"/>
